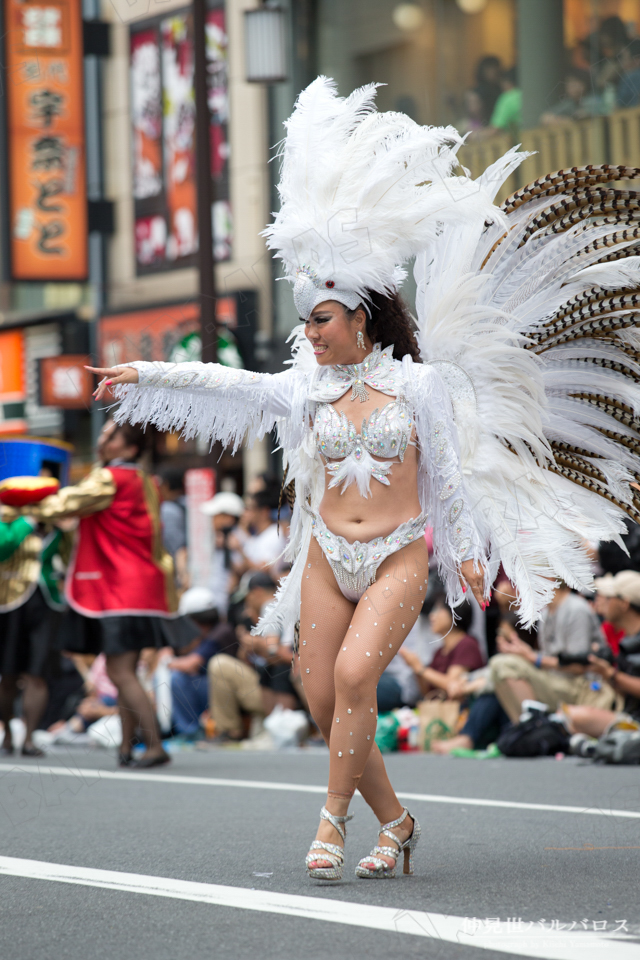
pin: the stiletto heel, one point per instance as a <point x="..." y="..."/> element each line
<point x="331" y="851"/>
<point x="382" y="869"/>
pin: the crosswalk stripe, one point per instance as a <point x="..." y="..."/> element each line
<point x="90" y="774"/>
<point x="533" y="942"/>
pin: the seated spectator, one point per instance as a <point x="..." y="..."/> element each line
<point x="398" y="685"/>
<point x="620" y="603"/>
<point x="612" y="634"/>
<point x="100" y="700"/>
<point x="486" y="718"/>
<point x="225" y="510"/>
<point x="628" y="92"/>
<point x="458" y="655"/>
<point x="578" y="101"/>
<point x="566" y="631"/>
<point x="507" y="113"/>
<point x="189" y="686"/>
<point x="234" y="681"/>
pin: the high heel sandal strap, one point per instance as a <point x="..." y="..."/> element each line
<point x="394" y="823"/>
<point x="336" y="822"/>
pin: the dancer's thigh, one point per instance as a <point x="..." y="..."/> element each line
<point x="325" y="615"/>
<point x="384" y="615"/>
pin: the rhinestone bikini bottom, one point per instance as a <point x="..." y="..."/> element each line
<point x="355" y="565"/>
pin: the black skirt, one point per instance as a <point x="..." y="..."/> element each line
<point x="27" y="637"/>
<point x="114" y="635"/>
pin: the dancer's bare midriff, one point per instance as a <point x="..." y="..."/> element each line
<point x="354" y="517"/>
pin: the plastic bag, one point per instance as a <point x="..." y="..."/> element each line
<point x="387" y="733"/>
<point x="287" y="727"/>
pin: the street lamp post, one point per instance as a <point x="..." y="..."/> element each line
<point x="206" y="265"/>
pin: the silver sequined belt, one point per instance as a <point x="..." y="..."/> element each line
<point x="355" y="564"/>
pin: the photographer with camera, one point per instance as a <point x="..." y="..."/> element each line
<point x="225" y="510"/>
<point x="561" y="670"/>
<point x="620" y="602"/>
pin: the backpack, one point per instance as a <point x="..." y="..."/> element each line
<point x="537" y="737"/>
<point x="619" y="746"/>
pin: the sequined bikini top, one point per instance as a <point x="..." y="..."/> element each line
<point x="385" y="433"/>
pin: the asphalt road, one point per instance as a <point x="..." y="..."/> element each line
<point x="209" y="841"/>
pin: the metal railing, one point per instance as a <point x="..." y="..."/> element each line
<point x="611" y="139"/>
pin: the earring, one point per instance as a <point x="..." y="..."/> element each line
<point x="360" y="340"/>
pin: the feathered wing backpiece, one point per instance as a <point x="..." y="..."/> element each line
<point x="535" y="329"/>
<point x="360" y="191"/>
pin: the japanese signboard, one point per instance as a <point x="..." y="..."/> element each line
<point x="173" y="332"/>
<point x="12" y="381"/>
<point x="163" y="121"/>
<point x="65" y="383"/>
<point x="48" y="204"/>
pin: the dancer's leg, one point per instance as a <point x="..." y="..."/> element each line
<point x="8" y="691"/>
<point x="34" y="702"/>
<point x="385" y="616"/>
<point x="136" y="710"/>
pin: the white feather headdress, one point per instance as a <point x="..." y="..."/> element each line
<point x="361" y="192"/>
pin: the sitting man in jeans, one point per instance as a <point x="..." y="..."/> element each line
<point x="189" y="686"/>
<point x="568" y="628"/>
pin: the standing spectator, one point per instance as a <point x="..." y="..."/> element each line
<point x="578" y="101"/>
<point x="120" y="582"/>
<point x="189" y="686"/>
<point x="628" y="93"/>
<point x="611" y="41"/>
<point x="173" y="510"/>
<point x="29" y="617"/>
<point x="566" y="631"/>
<point x="507" y="113"/>
<point x="225" y="509"/>
<point x="472" y="121"/>
<point x="488" y="74"/>
<point x="263" y="548"/>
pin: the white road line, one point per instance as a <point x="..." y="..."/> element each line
<point x="535" y="942"/>
<point x="177" y="779"/>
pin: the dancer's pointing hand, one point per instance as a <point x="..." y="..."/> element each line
<point x="111" y="376"/>
<point x="474" y="576"/>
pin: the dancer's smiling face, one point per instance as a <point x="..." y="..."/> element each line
<point x="332" y="330"/>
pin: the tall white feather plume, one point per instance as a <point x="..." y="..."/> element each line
<point x="360" y="190"/>
<point x="534" y="421"/>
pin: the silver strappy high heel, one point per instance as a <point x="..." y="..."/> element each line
<point x="330" y="851"/>
<point x="382" y="869"/>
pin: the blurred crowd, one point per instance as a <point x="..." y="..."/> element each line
<point x="601" y="74"/>
<point x="463" y="681"/>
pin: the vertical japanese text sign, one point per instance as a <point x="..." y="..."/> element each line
<point x="47" y="180"/>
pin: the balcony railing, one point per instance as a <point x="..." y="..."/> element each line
<point x="611" y="139"/>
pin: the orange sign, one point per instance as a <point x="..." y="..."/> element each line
<point x="146" y="334"/>
<point x="65" y="383"/>
<point x="12" y="382"/>
<point x="47" y="180"/>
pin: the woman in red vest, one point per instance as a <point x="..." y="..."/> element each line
<point x="120" y="583"/>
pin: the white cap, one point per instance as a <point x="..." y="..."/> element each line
<point x="196" y="600"/>
<point x="224" y="502"/>
<point x="625" y="585"/>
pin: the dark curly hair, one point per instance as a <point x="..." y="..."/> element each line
<point x="390" y="323"/>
